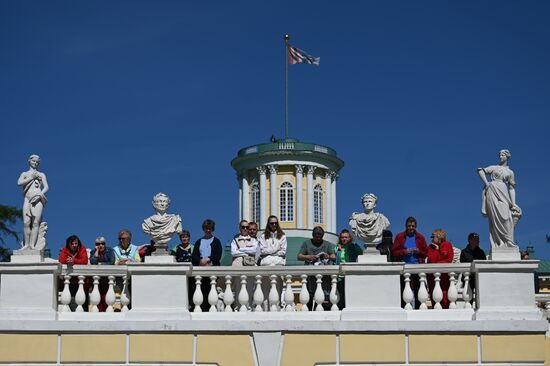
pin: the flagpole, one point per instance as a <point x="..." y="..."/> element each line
<point x="287" y="37"/>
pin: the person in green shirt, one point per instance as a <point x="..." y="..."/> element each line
<point x="347" y="252"/>
<point x="316" y="252"/>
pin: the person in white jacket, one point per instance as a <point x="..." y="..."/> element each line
<point x="272" y="244"/>
<point x="244" y="247"/>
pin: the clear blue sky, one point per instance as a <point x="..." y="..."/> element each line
<point x="126" y="99"/>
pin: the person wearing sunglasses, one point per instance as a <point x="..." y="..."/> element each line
<point x="102" y="254"/>
<point x="244" y="247"/>
<point x="272" y="244"/>
<point x="126" y="252"/>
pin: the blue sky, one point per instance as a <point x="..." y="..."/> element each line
<point x="126" y="99"/>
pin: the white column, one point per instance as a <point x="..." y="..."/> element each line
<point x="263" y="202"/>
<point x="328" y="202"/>
<point x="333" y="198"/>
<point x="310" y="171"/>
<point x="299" y="197"/>
<point x="273" y="189"/>
<point x="241" y="213"/>
<point x="245" y="196"/>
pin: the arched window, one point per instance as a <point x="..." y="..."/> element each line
<point x="255" y="202"/>
<point x="286" y="192"/>
<point x="318" y="204"/>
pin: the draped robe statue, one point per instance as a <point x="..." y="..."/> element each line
<point x="369" y="225"/>
<point x="161" y="226"/>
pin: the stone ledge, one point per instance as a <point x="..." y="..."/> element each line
<point x="264" y="324"/>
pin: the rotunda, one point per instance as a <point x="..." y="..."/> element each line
<point x="294" y="180"/>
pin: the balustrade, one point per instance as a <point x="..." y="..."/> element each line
<point x="84" y="286"/>
<point x="259" y="289"/>
<point x="437" y="286"/>
<point x="426" y="287"/>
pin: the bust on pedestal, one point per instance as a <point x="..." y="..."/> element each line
<point x="368" y="227"/>
<point x="161" y="226"/>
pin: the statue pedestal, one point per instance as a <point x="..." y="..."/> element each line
<point x="160" y="258"/>
<point x="505" y="254"/>
<point x="505" y="290"/>
<point x="372" y="255"/>
<point x="27" y="256"/>
<point x="159" y="291"/>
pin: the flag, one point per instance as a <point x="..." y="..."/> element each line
<point x="296" y="56"/>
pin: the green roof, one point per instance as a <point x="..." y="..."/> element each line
<point x="544" y="266"/>
<point x="285" y="144"/>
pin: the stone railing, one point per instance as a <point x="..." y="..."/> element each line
<point x="437" y="284"/>
<point x="93" y="286"/>
<point x="260" y="289"/>
<point x="373" y="291"/>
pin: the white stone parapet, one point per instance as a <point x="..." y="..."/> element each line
<point x="373" y="291"/>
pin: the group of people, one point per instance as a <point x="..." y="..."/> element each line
<point x="269" y="248"/>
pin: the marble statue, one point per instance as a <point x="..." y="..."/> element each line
<point x="161" y="226"/>
<point x="42" y="230"/>
<point x="35" y="186"/>
<point x="369" y="225"/>
<point x="499" y="202"/>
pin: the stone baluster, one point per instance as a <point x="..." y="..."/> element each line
<point x="213" y="295"/>
<point x="228" y="297"/>
<point x="319" y="295"/>
<point x="95" y="298"/>
<point x="110" y="296"/>
<point x="197" y="295"/>
<point x="289" y="296"/>
<point x="273" y="295"/>
<point x="258" y="294"/>
<point x="80" y="297"/>
<point x="304" y="294"/>
<point x="408" y="294"/>
<point x="467" y="291"/>
<point x="66" y="295"/>
<point x="125" y="294"/>
<point x="437" y="294"/>
<point x="243" y="295"/>
<point x="452" y="293"/>
<point x="423" y="292"/>
<point x="333" y="293"/>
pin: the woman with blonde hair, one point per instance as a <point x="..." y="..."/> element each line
<point x="440" y="251"/>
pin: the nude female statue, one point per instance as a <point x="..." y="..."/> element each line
<point x="35" y="186"/>
<point x="499" y="202"/>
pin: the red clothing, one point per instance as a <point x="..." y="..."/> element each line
<point x="398" y="247"/>
<point x="442" y="255"/>
<point x="81" y="256"/>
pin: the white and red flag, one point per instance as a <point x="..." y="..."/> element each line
<point x="297" y="56"/>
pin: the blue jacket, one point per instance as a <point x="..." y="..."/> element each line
<point x="108" y="256"/>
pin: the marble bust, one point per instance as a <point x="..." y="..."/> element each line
<point x="35" y="186"/>
<point x="161" y="226"/>
<point x="369" y="225"/>
<point x="499" y="202"/>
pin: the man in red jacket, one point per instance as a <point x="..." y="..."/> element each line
<point x="410" y="247"/>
